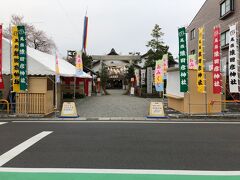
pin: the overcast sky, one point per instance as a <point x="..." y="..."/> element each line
<point x="121" y="24"/>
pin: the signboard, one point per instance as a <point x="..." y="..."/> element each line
<point x="183" y="60"/>
<point x="217" y="77"/>
<point x="200" y="71"/>
<point x="233" y="60"/>
<point x="1" y="77"/>
<point x="143" y="76"/>
<point x="149" y="80"/>
<point x="156" y="110"/>
<point x="69" y="110"/>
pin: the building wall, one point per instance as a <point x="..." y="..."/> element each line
<point x="37" y="84"/>
<point x="209" y="16"/>
<point x="195" y="102"/>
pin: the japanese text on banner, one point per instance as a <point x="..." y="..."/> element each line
<point x="22" y="57"/>
<point x="233" y="60"/>
<point x="183" y="60"/>
<point x="79" y="64"/>
<point x="217" y="77"/>
<point x="137" y="76"/>
<point x="143" y="76"/>
<point x="201" y="73"/>
<point x="165" y="65"/>
<point x="15" y="60"/>
<point x="57" y="75"/>
<point x="159" y="73"/>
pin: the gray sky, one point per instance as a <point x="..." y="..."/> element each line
<point x="123" y="24"/>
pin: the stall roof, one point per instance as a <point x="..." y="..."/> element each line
<point x="40" y="63"/>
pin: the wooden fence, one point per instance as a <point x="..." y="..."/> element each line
<point x="30" y="103"/>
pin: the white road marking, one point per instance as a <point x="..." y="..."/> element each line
<point x="130" y="122"/>
<point x="1" y="123"/>
<point x="122" y="171"/>
<point x="22" y="147"/>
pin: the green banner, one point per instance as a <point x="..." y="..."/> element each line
<point x="183" y="60"/>
<point x="22" y="58"/>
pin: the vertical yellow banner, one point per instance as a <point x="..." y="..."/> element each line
<point x="15" y="60"/>
<point x="200" y="73"/>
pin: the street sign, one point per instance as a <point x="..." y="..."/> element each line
<point x="69" y="110"/>
<point x="156" y="110"/>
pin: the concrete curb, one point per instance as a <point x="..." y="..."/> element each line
<point x="215" y="118"/>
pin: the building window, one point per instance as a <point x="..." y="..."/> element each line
<point x="225" y="39"/>
<point x="193" y="34"/>
<point x="226" y="7"/>
<point x="193" y="52"/>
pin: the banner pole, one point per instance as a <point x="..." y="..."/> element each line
<point x="206" y="98"/>
<point x="205" y="74"/>
<point x="74" y="89"/>
<point x="189" y="104"/>
<point x="163" y="91"/>
<point x="10" y="72"/>
<point x="56" y="100"/>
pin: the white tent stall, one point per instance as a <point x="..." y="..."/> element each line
<point x="39" y="99"/>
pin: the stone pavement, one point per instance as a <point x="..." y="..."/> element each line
<point x="114" y="105"/>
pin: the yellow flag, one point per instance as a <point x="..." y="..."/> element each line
<point x="15" y="60"/>
<point x="200" y="71"/>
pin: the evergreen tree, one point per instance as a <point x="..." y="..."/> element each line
<point x="104" y="76"/>
<point x="87" y="60"/>
<point x="157" y="49"/>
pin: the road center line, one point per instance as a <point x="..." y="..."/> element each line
<point x="121" y="171"/>
<point x="4" y="158"/>
<point x="1" y="123"/>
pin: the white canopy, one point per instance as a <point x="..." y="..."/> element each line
<point x="39" y="63"/>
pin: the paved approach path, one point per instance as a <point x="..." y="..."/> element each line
<point x="114" y="105"/>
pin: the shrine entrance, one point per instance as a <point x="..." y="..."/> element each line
<point x="117" y="66"/>
<point x="115" y="84"/>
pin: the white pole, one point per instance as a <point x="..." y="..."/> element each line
<point x="56" y="99"/>
<point x="10" y="72"/>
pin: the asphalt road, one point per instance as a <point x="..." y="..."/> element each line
<point x="125" y="146"/>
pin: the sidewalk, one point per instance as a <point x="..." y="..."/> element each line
<point x="174" y="118"/>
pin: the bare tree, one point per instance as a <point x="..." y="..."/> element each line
<point x="36" y="39"/>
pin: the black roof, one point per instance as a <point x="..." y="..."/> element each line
<point x="113" y="52"/>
